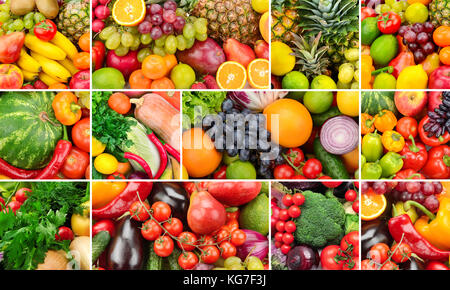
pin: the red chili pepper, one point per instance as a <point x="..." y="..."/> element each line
<point x="60" y="154"/>
<point x="141" y="162"/>
<point x="438" y="164"/>
<point x="98" y="54"/>
<point x="121" y="203"/>
<point x="402" y="228"/>
<point x="16" y="173"/>
<point x="408" y="174"/>
<point x="415" y="154"/>
<point x="221" y="173"/>
<point x="162" y="154"/>
<point x="431" y="141"/>
<point x="172" y="151"/>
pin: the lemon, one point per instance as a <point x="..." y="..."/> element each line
<point x="106" y="163"/>
<point x="348" y="103"/>
<point x="416" y="13"/>
<point x="323" y="82"/>
<point x="282" y="60"/>
<point x="412" y="77"/>
<point x="97" y="147"/>
<point x="260" y="6"/>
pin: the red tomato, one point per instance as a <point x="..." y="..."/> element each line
<point x="45" y="30"/>
<point x="435" y="265"/>
<point x="116" y="175"/>
<point x="379" y="253"/>
<point x="350" y="195"/>
<point x="330" y="184"/>
<point x="174" y="226"/>
<point x="368" y="265"/>
<point x="295" y="156"/>
<point x="351" y="264"/>
<point x="161" y="211"/>
<point x="287" y="200"/>
<point x="389" y="22"/>
<point x="283" y="171"/>
<point x="328" y="258"/>
<point x="238" y="237"/>
<point x="186" y="241"/>
<point x="298" y="199"/>
<point x="163" y="246"/>
<point x="151" y="230"/>
<point x="350" y="242"/>
<point x="81" y="136"/>
<point x="290" y="227"/>
<point x="13" y="205"/>
<point x="76" y="163"/>
<point x="120" y="103"/>
<point x="285" y="248"/>
<point x="401" y="253"/>
<point x="22" y="194"/>
<point x="104" y="225"/>
<point x="139" y="211"/>
<point x="187" y="260"/>
<point x="355" y="206"/>
<point x="288" y="238"/>
<point x="210" y="254"/>
<point x="227" y="249"/>
<point x="312" y="168"/>
<point x="64" y="233"/>
<point x="222" y="235"/>
<point x="294" y="211"/>
<point x="389" y="265"/>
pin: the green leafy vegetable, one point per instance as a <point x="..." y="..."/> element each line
<point x="197" y="105"/>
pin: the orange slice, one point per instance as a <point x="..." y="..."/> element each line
<point x="372" y="205"/>
<point x="128" y="12"/>
<point x="231" y="75"/>
<point x="258" y="73"/>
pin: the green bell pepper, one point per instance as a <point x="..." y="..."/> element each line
<point x="372" y="148"/>
<point x="371" y="170"/>
<point x="391" y="163"/>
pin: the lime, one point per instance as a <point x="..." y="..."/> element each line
<point x="323" y="82"/>
<point x="260" y="6"/>
<point x="241" y="170"/>
<point x="318" y="102"/>
<point x="295" y="80"/>
<point x="108" y="78"/>
<point x="254" y="215"/>
<point x="384" y="81"/>
<point x="282" y="60"/>
<point x="416" y="13"/>
<point x="384" y="49"/>
<point x="183" y="76"/>
<point x="369" y="30"/>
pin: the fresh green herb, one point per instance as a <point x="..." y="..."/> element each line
<point x="197" y="105"/>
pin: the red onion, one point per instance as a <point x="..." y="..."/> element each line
<point x="255" y="101"/>
<point x="255" y="244"/>
<point x="202" y="266"/>
<point x="339" y="135"/>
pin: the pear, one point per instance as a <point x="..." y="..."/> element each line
<point x="205" y="213"/>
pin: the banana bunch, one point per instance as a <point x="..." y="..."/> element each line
<point x="51" y="62"/>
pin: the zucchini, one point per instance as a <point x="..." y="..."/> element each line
<point x="99" y="243"/>
<point x="319" y="119"/>
<point x="154" y="262"/>
<point x="332" y="165"/>
<point x="172" y="260"/>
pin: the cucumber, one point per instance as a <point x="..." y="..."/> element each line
<point x="172" y="260"/>
<point x="332" y="165"/>
<point x="154" y="261"/>
<point x="99" y="243"/>
<point x="319" y="119"/>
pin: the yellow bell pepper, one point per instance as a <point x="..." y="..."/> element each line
<point x="393" y="141"/>
<point x="437" y="231"/>
<point x="366" y="71"/>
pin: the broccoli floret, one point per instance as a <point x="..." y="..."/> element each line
<point x="321" y="221"/>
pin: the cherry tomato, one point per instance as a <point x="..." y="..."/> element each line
<point x="368" y="265"/>
<point x="187" y="260"/>
<point x="350" y="242"/>
<point x="205" y="241"/>
<point x="295" y="156"/>
<point x="120" y="103"/>
<point x="151" y="230"/>
<point x="379" y="253"/>
<point x="285" y="248"/>
<point x="64" y="233"/>
<point x="294" y="211"/>
<point x="210" y="254"/>
<point x="13" y="205"/>
<point x="330" y="184"/>
<point x="161" y="211"/>
<point x="278" y="236"/>
<point x="81" y="135"/>
<point x="76" y="163"/>
<point x="163" y="246"/>
<point x="287" y="200"/>
<point x="222" y="235"/>
<point x="389" y="265"/>
<point x="312" y="168"/>
<point x="139" y="211"/>
<point x="227" y="249"/>
<point x="290" y="227"/>
<point x="401" y="252"/>
<point x="104" y="225"/>
<point x="174" y="226"/>
<point x="328" y="258"/>
<point x="283" y="171"/>
<point x="298" y="199"/>
<point x="186" y="241"/>
<point x="231" y="225"/>
<point x="288" y="238"/>
<point x="238" y="237"/>
<point x="407" y="126"/>
<point x="389" y="22"/>
<point x="116" y="175"/>
<point x="45" y="30"/>
<point x="351" y="264"/>
<point x="22" y="194"/>
<point x="279" y="226"/>
<point x="284" y="214"/>
<point x="350" y="195"/>
<point x="355" y="206"/>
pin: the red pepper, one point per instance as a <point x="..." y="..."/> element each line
<point x="408" y="174"/>
<point x="172" y="151"/>
<point x="436" y="265"/>
<point x="162" y="154"/>
<point x="437" y="166"/>
<point x="367" y="12"/>
<point x="141" y="162"/>
<point x="60" y="154"/>
<point x="190" y="187"/>
<point x="401" y="61"/>
<point x="415" y="154"/>
<point x="431" y="141"/>
<point x="16" y="173"/>
<point x="221" y="173"/>
<point x="98" y="54"/>
<point x="121" y="203"/>
<point x="402" y="229"/>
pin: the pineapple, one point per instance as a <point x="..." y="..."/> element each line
<point x="311" y="58"/>
<point x="440" y="12"/>
<point x="226" y="18"/>
<point x="73" y="19"/>
<point x="284" y="20"/>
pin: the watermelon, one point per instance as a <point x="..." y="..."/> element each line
<point x="374" y="102"/>
<point x="29" y="129"/>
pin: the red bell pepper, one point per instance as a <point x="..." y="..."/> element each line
<point x="431" y="141"/>
<point x="408" y="174"/>
<point x="438" y="164"/>
<point x="401" y="61"/>
<point x="415" y="154"/>
<point x="98" y="54"/>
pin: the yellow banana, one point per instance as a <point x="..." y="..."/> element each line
<point x="26" y="62"/>
<point x="29" y="76"/>
<point x="44" y="48"/>
<point x="48" y="80"/>
<point x="52" y="68"/>
<point x="65" y="44"/>
<point x="68" y="64"/>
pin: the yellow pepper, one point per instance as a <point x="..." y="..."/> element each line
<point x="366" y="71"/>
<point x="103" y="192"/>
<point x="393" y="141"/>
<point x="385" y="121"/>
<point x="437" y="232"/>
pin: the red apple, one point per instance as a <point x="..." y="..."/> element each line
<point x="125" y="64"/>
<point x="11" y="77"/>
<point x="10" y="46"/>
<point x="410" y="103"/>
<point x="440" y="78"/>
<point x="262" y="49"/>
<point x="434" y="100"/>
<point x="81" y="80"/>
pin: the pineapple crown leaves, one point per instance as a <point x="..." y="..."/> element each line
<point x="309" y="56"/>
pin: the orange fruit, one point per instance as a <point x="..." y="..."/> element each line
<point x="57" y="86"/>
<point x="441" y="36"/>
<point x="289" y="122"/>
<point x="424" y="2"/>
<point x="85" y="42"/>
<point x="123" y="167"/>
<point x="139" y="81"/>
<point x="163" y="83"/>
<point x="372" y="205"/>
<point x="198" y="149"/>
<point x="154" y="67"/>
<point x="231" y="75"/>
<point x="258" y="73"/>
<point x="444" y="55"/>
<point x="171" y="62"/>
<point x="82" y="60"/>
<point x="128" y="12"/>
